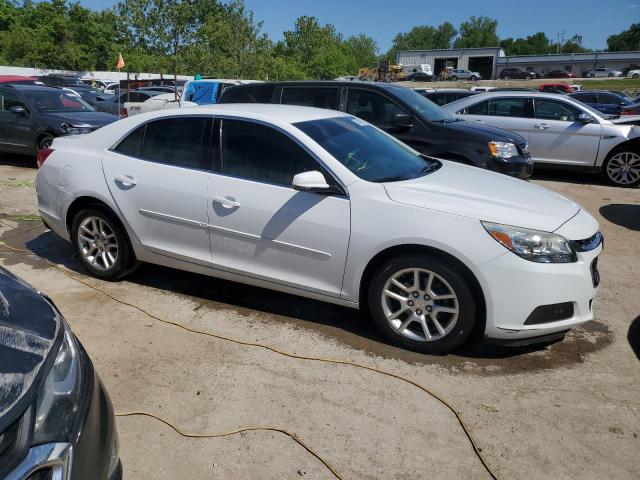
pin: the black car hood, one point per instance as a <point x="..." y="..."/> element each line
<point x="79" y="119"/>
<point x="485" y="132"/>
<point x="29" y="329"/>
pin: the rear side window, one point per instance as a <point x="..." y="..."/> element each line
<point x="320" y="97"/>
<point x="256" y="152"/>
<point x="258" y="93"/>
<point x="132" y="144"/>
<point x="481" y="108"/>
<point x="177" y="141"/>
<point x="509" y="107"/>
<point x="438" y="98"/>
<point x="587" y="97"/>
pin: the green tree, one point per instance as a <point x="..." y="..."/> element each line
<point x="361" y="51"/>
<point x="424" y="37"/>
<point x="319" y="50"/>
<point x="478" y="32"/>
<point x="626" y="40"/>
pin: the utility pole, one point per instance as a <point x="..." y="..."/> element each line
<point x="560" y="36"/>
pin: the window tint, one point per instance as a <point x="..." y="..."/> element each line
<point x="587" y="97"/>
<point x="319" y="97"/>
<point x="257" y="152"/>
<point x="508" y="107"/>
<point x="248" y="94"/>
<point x="372" y="107"/>
<point x="439" y="98"/>
<point x="553" y="110"/>
<point x="608" y="98"/>
<point x="132" y="144"/>
<point x="176" y="141"/>
<point x="481" y="108"/>
<point x="8" y="100"/>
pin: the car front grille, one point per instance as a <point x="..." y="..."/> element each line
<point x="595" y="274"/>
<point x="14" y="442"/>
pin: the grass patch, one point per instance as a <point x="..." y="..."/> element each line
<point x="611" y="84"/>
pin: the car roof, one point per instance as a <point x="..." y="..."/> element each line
<point x="324" y="83"/>
<point x="31" y="88"/>
<point x="599" y="91"/>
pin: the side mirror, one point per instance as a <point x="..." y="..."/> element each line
<point x="402" y="120"/>
<point x="18" y="110"/>
<point x="585" y="118"/>
<point x="313" y="181"/>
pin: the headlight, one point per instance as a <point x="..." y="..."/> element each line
<point x="59" y="399"/>
<point x="69" y="130"/>
<point x="533" y="245"/>
<point x="503" y="149"/>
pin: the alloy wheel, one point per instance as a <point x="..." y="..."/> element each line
<point x="420" y="304"/>
<point x="98" y="243"/>
<point x="624" y="168"/>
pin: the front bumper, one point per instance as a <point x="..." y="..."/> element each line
<point x="515" y="287"/>
<point x="520" y="166"/>
<point x="92" y="451"/>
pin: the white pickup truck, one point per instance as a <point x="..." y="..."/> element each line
<point x="195" y="92"/>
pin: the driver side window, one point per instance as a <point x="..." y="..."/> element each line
<point x="257" y="152"/>
<point x="553" y="110"/>
<point x="372" y="107"/>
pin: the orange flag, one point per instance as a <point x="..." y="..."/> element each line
<point x="120" y="62"/>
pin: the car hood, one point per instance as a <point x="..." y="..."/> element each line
<point x="29" y="327"/>
<point x="483" y="195"/>
<point x="80" y="119"/>
<point x="626" y="120"/>
<point x="465" y="127"/>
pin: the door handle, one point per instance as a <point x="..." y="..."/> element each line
<point x="126" y="181"/>
<point x="542" y="126"/>
<point x="226" y="202"/>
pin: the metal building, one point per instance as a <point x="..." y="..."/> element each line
<point x="490" y="61"/>
<point x="483" y="60"/>
<point x="575" y="63"/>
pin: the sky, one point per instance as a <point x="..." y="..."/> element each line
<point x="595" y="20"/>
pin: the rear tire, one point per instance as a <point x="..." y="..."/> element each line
<point x="421" y="302"/>
<point x="474" y="78"/>
<point x="528" y="77"/>
<point x="635" y="75"/>
<point x="622" y="168"/>
<point x="101" y="243"/>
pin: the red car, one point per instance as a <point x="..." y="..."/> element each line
<point x="560" y="74"/>
<point x="19" y="79"/>
<point x="556" y="88"/>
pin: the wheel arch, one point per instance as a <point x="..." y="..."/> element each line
<point x="397" y="250"/>
<point x="632" y="144"/>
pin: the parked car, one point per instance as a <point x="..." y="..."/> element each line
<point x="418" y="77"/>
<point x="19" y="80"/>
<point x="442" y="97"/>
<point x="111" y="88"/>
<point x="60" y="80"/>
<point x="464" y="74"/>
<point x="89" y="94"/>
<point x="56" y="419"/>
<point x="406" y="115"/>
<point x="560" y="74"/>
<point x="562" y="88"/>
<point x="516" y="73"/>
<point x="115" y="103"/>
<point x="322" y="204"/>
<point x="514" y="89"/>
<point x="92" y="82"/>
<point x="602" y="72"/>
<point x="561" y="131"/>
<point x="633" y="73"/>
<point x="32" y="115"/>
<point x="607" y="102"/>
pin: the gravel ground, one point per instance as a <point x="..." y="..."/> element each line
<point x="565" y="411"/>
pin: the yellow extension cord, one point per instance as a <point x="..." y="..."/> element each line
<point x="476" y="449"/>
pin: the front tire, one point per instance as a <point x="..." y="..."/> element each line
<point x="635" y="75"/>
<point x="44" y="142"/>
<point x="622" y="168"/>
<point x="454" y="79"/>
<point x="422" y="303"/>
<point x="474" y="78"/>
<point x="101" y="243"/>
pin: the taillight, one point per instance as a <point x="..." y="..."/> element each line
<point x="124" y="113"/>
<point x="630" y="112"/>
<point x="42" y="155"/>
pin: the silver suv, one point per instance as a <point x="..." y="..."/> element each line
<point x="561" y="131"/>
<point x="602" y="72"/>
<point x="464" y="75"/>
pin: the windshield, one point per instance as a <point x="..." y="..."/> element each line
<point x="55" y="100"/>
<point x="429" y="110"/>
<point x="366" y="151"/>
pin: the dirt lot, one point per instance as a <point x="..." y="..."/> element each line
<point x="566" y="411"/>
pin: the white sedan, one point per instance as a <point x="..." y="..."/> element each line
<point x="321" y="204"/>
